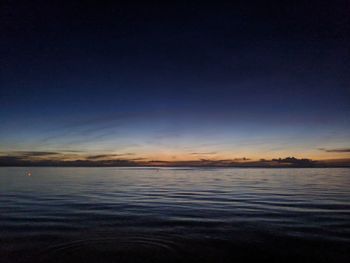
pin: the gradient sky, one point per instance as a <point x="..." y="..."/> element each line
<point x="176" y="82"/>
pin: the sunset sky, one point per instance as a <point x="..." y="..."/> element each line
<point x="175" y="82"/>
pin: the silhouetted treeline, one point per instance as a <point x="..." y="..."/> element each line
<point x="296" y="162"/>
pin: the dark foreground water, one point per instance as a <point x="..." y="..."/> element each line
<point x="174" y="215"/>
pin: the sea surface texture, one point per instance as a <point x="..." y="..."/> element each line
<point x="174" y="215"/>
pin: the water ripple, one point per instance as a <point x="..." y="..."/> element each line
<point x="138" y="215"/>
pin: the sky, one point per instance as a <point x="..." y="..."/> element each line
<point x="175" y="82"/>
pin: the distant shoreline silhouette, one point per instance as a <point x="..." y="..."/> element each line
<point x="288" y="162"/>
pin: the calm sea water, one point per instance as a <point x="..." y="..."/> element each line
<point x="174" y="215"/>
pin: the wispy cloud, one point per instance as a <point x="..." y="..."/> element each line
<point x="30" y="153"/>
<point x="98" y="126"/>
<point x="335" y="150"/>
<point x="107" y="156"/>
<point x="203" y="153"/>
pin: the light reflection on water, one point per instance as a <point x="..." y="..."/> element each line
<point x="141" y="215"/>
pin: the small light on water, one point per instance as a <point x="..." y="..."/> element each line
<point x="29" y="174"/>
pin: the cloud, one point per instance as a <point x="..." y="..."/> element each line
<point x="36" y="153"/>
<point x="107" y="156"/>
<point x="70" y="151"/>
<point x="27" y="154"/>
<point x="98" y="126"/>
<point x="203" y="153"/>
<point x="336" y="150"/>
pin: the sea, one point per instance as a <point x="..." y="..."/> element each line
<point x="182" y="214"/>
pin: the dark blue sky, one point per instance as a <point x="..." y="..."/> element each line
<point x="164" y="80"/>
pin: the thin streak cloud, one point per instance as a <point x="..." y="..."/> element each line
<point x="336" y="150"/>
<point x="203" y="153"/>
<point x="107" y="156"/>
